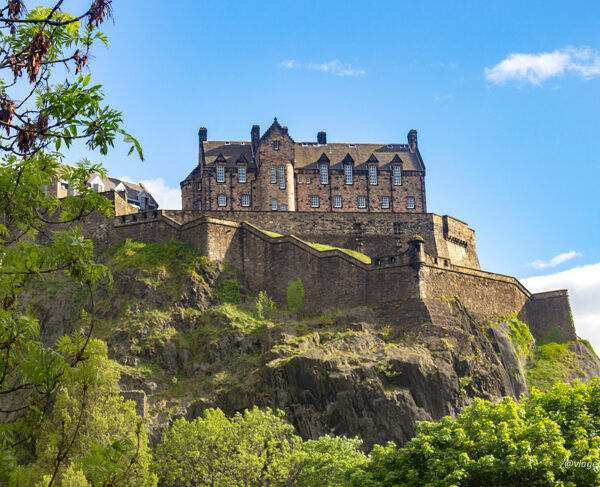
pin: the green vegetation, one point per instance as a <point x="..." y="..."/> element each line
<point x="362" y="257"/>
<point x="536" y="443"/>
<point x="552" y="363"/>
<point x="228" y="291"/>
<point x="520" y="336"/>
<point x="50" y="393"/>
<point x="256" y="448"/>
<point x="264" y="305"/>
<point x="108" y="444"/>
<point x="556" y="335"/>
<point x="295" y="296"/>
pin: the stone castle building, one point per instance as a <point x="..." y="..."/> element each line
<point x="275" y="173"/>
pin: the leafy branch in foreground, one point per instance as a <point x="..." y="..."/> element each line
<point x="41" y="238"/>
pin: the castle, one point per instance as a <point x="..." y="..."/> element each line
<point x="274" y="173"/>
<point x="397" y="258"/>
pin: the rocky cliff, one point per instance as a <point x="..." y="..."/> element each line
<point x="187" y="333"/>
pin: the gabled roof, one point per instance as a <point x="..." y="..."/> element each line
<point x="323" y="159"/>
<point x="275" y="126"/>
<point x="307" y="155"/>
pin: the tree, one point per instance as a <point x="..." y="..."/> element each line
<point x="255" y="448"/>
<point x="111" y="447"/>
<point x="547" y="440"/>
<point x="39" y="236"/>
<point x="326" y="462"/>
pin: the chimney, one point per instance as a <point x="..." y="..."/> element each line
<point x="202" y="134"/>
<point x="322" y="137"/>
<point x="254" y="137"/>
<point x="412" y="140"/>
<point x="285" y="129"/>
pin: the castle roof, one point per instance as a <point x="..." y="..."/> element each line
<point x="307" y="155"/>
<point x="231" y="152"/>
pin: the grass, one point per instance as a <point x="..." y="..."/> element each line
<point x="552" y="363"/>
<point x="357" y="255"/>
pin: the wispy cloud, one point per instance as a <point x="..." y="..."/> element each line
<point x="583" y="284"/>
<point x="554" y="261"/>
<point x="168" y="198"/>
<point x="583" y="62"/>
<point x="335" y="67"/>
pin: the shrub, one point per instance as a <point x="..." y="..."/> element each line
<point x="228" y="292"/>
<point x="295" y="295"/>
<point x="264" y="305"/>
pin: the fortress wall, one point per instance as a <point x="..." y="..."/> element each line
<point x="484" y="294"/>
<point x="375" y="234"/>
<point x="329" y="280"/>
<point x="549" y="317"/>
<point x="332" y="279"/>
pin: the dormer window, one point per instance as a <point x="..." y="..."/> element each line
<point x="348" y="174"/>
<point x="324" y="174"/>
<point x="241" y="174"/>
<point x="220" y="174"/>
<point x="373" y="175"/>
<point x="397" y="176"/>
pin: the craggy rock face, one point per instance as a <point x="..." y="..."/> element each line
<point x="190" y="337"/>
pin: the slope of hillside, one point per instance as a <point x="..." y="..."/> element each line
<point x="187" y="333"/>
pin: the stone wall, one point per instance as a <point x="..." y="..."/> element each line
<point x="549" y="317"/>
<point x="374" y="234"/>
<point x="334" y="279"/>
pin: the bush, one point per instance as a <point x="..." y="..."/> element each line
<point x="228" y="292"/>
<point x="264" y="305"/>
<point x="295" y="296"/>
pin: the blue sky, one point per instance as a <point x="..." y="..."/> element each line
<point x="505" y="97"/>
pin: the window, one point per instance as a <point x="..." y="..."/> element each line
<point x="281" y="177"/>
<point x="199" y="186"/>
<point x="397" y="176"/>
<point x="98" y="188"/>
<point x="273" y="175"/>
<point x="307" y="179"/>
<point x="314" y="201"/>
<point x="222" y="200"/>
<point x="410" y="203"/>
<point x="299" y="179"/>
<point x="373" y="175"/>
<point x="385" y="202"/>
<point x="198" y="205"/>
<point x="348" y="174"/>
<point x="283" y="208"/>
<point x="64" y="185"/>
<point x="397" y="228"/>
<point x="337" y="201"/>
<point x="324" y="174"/>
<point x="274" y="205"/>
<point x="242" y="174"/>
<point x="276" y="144"/>
<point x="362" y="202"/>
<point x="220" y="174"/>
<point x="245" y="200"/>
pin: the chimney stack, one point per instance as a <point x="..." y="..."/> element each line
<point x="322" y="137"/>
<point x="202" y="134"/>
<point x="412" y="140"/>
<point x="285" y="129"/>
<point x="254" y="137"/>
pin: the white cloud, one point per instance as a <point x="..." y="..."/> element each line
<point x="583" y="284"/>
<point x="554" y="261"/>
<point x="335" y="67"/>
<point x="583" y="62"/>
<point x="168" y="198"/>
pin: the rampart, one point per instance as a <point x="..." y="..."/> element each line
<point x="375" y="234"/>
<point x="412" y="280"/>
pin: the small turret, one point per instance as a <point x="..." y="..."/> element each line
<point x="416" y="251"/>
